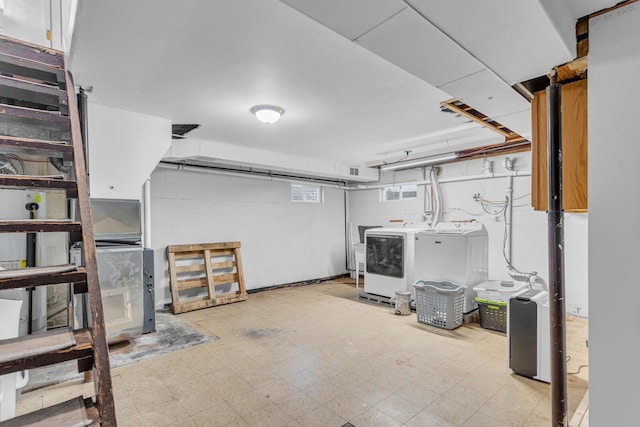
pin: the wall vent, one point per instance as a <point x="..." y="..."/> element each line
<point x="353" y="171"/>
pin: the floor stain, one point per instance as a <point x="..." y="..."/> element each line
<point x="261" y="333"/>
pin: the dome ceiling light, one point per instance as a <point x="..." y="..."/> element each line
<point x="267" y="114"/>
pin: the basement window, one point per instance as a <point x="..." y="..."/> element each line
<point x="305" y="193"/>
<point x="400" y="192"/>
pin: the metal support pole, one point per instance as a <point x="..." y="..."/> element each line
<point x="84" y="123"/>
<point x="556" y="255"/>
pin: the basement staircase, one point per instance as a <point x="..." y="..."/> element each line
<point x="39" y="119"/>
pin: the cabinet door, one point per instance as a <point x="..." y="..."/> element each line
<point x="574" y="148"/>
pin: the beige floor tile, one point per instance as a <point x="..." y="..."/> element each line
<point x="480" y="419"/>
<point x="398" y="408"/>
<point x="136" y="421"/>
<point x="277" y="390"/>
<point x="297" y="404"/>
<point x="269" y="416"/>
<point x="323" y="392"/>
<point x="219" y="415"/>
<point x="246" y="403"/>
<point x="168" y="414"/>
<point x="450" y="410"/>
<point x="418" y="394"/>
<point x="321" y="416"/>
<point x="371" y="393"/>
<point x="348" y="406"/>
<point x="374" y="417"/>
<point x="148" y="400"/>
<point x="472" y="392"/>
<point x="425" y="418"/>
<point x="315" y="355"/>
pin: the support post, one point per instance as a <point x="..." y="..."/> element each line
<point x="556" y="255"/>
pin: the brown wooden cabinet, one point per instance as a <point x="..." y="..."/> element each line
<point x="574" y="148"/>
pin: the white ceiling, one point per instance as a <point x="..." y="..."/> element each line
<point x="360" y="80"/>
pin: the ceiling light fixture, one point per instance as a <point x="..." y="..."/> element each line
<point x="424" y="161"/>
<point x="267" y="114"/>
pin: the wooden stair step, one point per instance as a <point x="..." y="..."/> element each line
<point x="39" y="226"/>
<point x="16" y="144"/>
<point x="41" y="276"/>
<point x="73" y="412"/>
<point x="35" y="71"/>
<point x="34" y="116"/>
<point x="49" y="348"/>
<point x="32" y="52"/>
<point x="28" y="181"/>
<point x="43" y="97"/>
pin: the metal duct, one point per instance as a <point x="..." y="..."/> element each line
<point x="6" y="167"/>
<point x="58" y="163"/>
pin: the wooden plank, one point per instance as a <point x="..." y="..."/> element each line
<point x="36" y="147"/>
<point x="241" y="286"/>
<point x="223" y="279"/>
<point x="35" y="93"/>
<point x="211" y="289"/>
<point x="31" y="115"/>
<point x="69" y="413"/>
<point x="200" y="254"/>
<point x="32" y="52"/>
<point x="34" y="278"/>
<point x="190" y="268"/>
<point x="36" y="71"/>
<point x="81" y="349"/>
<point x="230" y="298"/>
<point x="576" y="69"/>
<point x="39" y="226"/>
<point x="173" y="284"/>
<point x="53" y="183"/>
<point x="183" y="307"/>
<point x="476" y="118"/>
<point x="183" y="285"/>
<point x="203" y="246"/>
<point x="104" y="387"/>
<point x="609" y="9"/>
<point x="222" y="265"/>
<point x="36" y="344"/>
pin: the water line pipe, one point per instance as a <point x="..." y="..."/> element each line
<point x="444" y="180"/>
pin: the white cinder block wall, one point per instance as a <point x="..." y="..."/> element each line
<point x="529" y="251"/>
<point x="282" y="241"/>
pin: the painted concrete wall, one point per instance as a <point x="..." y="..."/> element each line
<point x="124" y="148"/>
<point x="529" y="227"/>
<point x="282" y="241"/>
<point x="614" y="229"/>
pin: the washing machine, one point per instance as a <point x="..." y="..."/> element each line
<point x="389" y="260"/>
<point x="528" y="335"/>
<point x="455" y="252"/>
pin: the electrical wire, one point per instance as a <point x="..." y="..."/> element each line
<point x="448" y="211"/>
<point x="579" y="367"/>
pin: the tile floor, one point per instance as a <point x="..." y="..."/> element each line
<point x="315" y="356"/>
